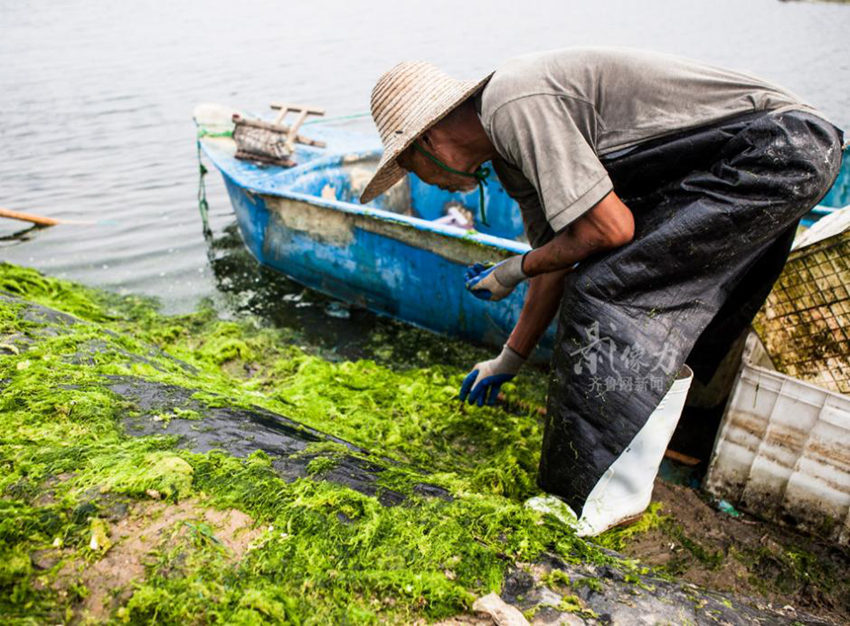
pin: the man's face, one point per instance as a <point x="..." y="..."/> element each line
<point x="431" y="173"/>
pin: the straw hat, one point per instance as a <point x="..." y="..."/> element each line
<point x="407" y="101"/>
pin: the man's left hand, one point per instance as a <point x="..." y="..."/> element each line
<point x="496" y="282"/>
<point x="481" y="386"/>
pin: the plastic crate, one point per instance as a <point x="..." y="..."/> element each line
<point x="782" y="453"/>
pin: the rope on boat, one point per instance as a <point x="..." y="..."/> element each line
<point x="207" y="133"/>
<point x="338" y="118"/>
<point x="203" y="205"/>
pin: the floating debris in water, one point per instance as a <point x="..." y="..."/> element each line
<point x="337" y="310"/>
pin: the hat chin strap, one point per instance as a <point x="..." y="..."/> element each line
<point x="480" y="175"/>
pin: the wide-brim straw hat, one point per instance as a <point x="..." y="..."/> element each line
<point x="407" y="101"/>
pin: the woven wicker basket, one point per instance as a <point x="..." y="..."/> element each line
<point x="262" y="142"/>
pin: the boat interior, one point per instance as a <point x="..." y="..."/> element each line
<point x="341" y="178"/>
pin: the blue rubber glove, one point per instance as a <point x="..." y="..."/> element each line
<point x="497" y="281"/>
<point x="483" y="383"/>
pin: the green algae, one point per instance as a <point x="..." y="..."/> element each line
<point x="321" y="464"/>
<point x="330" y="554"/>
<point x="617" y="538"/>
<point x="574" y="604"/>
<point x="137" y="475"/>
<point x="35" y="287"/>
<point x="100" y="541"/>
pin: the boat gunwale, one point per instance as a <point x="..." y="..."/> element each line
<point x="219" y="159"/>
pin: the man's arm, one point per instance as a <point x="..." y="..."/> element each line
<point x="609" y="224"/>
<point x="541" y="304"/>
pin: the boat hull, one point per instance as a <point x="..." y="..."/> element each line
<point x="391" y="267"/>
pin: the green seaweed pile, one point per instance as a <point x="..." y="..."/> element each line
<point x="322" y="552"/>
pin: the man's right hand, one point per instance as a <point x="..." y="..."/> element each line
<point x="483" y="383"/>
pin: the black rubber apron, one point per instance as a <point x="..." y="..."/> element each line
<point x="715" y="213"/>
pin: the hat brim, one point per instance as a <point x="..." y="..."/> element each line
<point x="389" y="172"/>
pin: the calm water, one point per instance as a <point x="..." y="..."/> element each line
<point x="96" y="101"/>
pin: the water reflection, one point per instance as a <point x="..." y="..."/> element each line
<point x="18" y="237"/>
<point x="335" y="329"/>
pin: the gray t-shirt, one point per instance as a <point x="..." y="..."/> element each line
<point x="551" y="115"/>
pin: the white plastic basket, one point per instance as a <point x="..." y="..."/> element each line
<point x="783" y="452"/>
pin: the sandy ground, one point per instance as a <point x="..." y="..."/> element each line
<point x="135" y="538"/>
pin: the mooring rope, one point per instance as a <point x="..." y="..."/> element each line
<point x="202" y="132"/>
<point x="338" y="118"/>
<point x="203" y="205"/>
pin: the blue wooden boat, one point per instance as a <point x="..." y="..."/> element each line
<point x="838" y="196"/>
<point x="395" y="256"/>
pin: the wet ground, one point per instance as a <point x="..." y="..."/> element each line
<point x="737" y="553"/>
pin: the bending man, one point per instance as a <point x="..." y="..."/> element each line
<point x="660" y="197"/>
